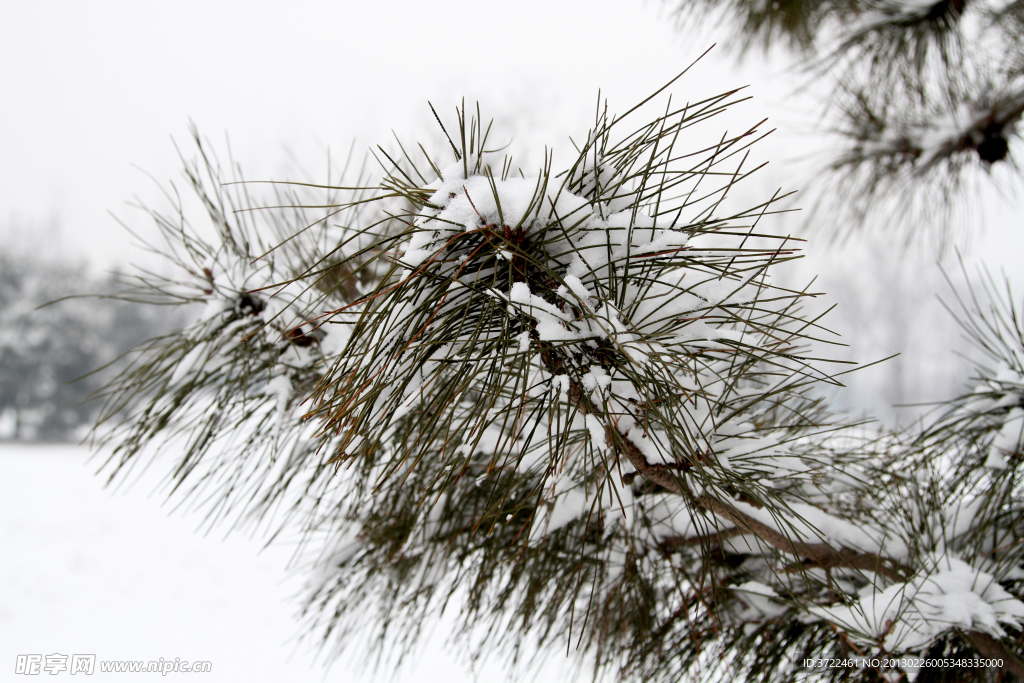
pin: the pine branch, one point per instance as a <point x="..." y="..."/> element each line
<point x="577" y="398"/>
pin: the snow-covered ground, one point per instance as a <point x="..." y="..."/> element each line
<point x="84" y="570"/>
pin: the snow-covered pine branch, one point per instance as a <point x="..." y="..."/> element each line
<point x="983" y="128"/>
<point x="921" y="94"/>
<point x="574" y="404"/>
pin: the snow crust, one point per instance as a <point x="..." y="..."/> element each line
<point x="909" y="616"/>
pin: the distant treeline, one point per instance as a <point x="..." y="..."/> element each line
<point x="53" y="358"/>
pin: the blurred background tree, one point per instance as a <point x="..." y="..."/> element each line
<point x="53" y="356"/>
<point x="924" y="97"/>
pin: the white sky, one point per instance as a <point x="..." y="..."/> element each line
<point x="92" y="90"/>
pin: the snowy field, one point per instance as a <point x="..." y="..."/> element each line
<point x="85" y="570"/>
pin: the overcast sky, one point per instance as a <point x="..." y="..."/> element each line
<point x="92" y="92"/>
<point x="95" y="91"/>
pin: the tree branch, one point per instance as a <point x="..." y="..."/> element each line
<point x="820" y="554"/>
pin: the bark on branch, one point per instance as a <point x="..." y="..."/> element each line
<point x="820" y="554"/>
